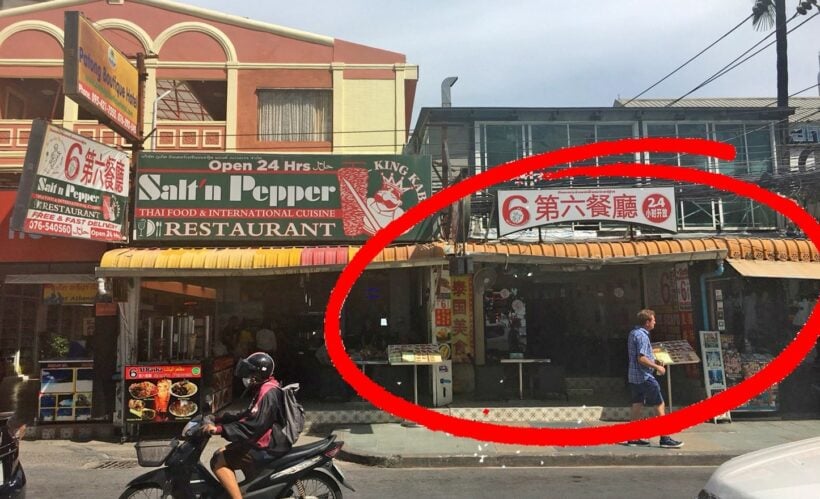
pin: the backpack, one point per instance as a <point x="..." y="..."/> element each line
<point x="293" y="414"/>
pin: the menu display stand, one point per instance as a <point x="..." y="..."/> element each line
<point x="714" y="372"/>
<point x="414" y="355"/>
<point x="673" y="353"/>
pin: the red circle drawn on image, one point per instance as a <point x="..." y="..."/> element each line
<point x="675" y="422"/>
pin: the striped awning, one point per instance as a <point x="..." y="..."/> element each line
<point x="646" y="251"/>
<point x="167" y="262"/>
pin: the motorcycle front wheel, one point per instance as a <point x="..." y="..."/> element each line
<point x="145" y="491"/>
<point x="316" y="485"/>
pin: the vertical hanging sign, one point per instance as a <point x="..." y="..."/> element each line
<point x="462" y="330"/>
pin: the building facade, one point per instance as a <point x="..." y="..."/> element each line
<point x="567" y="289"/>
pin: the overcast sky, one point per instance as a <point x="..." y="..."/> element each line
<point x="555" y="53"/>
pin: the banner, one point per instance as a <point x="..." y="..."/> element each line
<point x="462" y="331"/>
<point x="264" y="197"/>
<point x="162" y="393"/>
<point x="71" y="187"/>
<point x="524" y="209"/>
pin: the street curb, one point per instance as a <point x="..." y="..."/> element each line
<point x="675" y="458"/>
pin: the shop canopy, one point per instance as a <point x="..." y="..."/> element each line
<point x="772" y="253"/>
<point x="776" y="270"/>
<point x="752" y="257"/>
<point x="175" y="262"/>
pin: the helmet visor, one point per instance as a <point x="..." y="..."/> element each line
<point x="244" y="369"/>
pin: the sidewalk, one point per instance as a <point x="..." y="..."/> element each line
<point x="397" y="446"/>
<point x="394" y="445"/>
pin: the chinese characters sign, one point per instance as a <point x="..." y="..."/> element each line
<point x="71" y="187"/>
<point x="99" y="78"/>
<point x="263" y="197"/>
<point x="462" y="328"/>
<point x="524" y="209"/>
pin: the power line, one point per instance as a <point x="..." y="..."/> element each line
<point x="690" y="60"/>
<point x="734" y="64"/>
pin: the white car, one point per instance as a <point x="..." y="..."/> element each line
<point x="784" y="471"/>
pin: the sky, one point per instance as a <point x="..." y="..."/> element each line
<point x="549" y="53"/>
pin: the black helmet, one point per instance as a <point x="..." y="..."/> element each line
<point x="257" y="367"/>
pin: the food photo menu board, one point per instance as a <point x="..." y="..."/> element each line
<point x="162" y="393"/>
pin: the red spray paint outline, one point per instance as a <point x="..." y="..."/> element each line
<point x="679" y="420"/>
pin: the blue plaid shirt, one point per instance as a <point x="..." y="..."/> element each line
<point x="638" y="344"/>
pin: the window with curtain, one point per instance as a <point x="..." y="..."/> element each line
<point x="295" y="115"/>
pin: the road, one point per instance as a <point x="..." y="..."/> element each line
<point x="75" y="478"/>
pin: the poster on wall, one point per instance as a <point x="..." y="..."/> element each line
<point x="162" y="393"/>
<point x="71" y="187"/>
<point x="442" y="311"/>
<point x="267" y="197"/>
<point x="65" y="390"/>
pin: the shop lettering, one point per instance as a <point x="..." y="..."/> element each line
<point x="151" y="188"/>
<point x="277" y="195"/>
<point x="248" y="229"/>
<point x="83" y="197"/>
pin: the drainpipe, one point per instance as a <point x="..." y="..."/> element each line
<point x="704" y="303"/>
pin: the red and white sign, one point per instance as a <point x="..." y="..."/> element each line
<point x="72" y="187"/>
<point x="524" y="209"/>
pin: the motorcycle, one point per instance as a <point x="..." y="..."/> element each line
<point x="12" y="477"/>
<point x="307" y="471"/>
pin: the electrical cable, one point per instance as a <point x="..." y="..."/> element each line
<point x="690" y="60"/>
<point x="734" y="64"/>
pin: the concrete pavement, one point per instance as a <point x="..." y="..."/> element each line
<point x="394" y="445"/>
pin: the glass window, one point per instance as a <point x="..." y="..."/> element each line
<point x="764" y="217"/>
<point x="737" y="212"/>
<point x="732" y="135"/>
<point x="662" y="131"/>
<point x="759" y="145"/>
<point x="504" y="143"/>
<point x="547" y="138"/>
<point x="580" y="135"/>
<point x="696" y="214"/>
<point x="295" y="115"/>
<point x="693" y="131"/>
<point x="615" y="132"/>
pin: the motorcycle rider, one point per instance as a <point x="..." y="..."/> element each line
<point x="254" y="434"/>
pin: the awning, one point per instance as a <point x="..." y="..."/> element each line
<point x="49" y="278"/>
<point x="598" y="253"/>
<point x="776" y="270"/>
<point x="175" y="262"/>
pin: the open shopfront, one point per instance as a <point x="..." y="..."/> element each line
<point x="755" y="310"/>
<point x="206" y="320"/>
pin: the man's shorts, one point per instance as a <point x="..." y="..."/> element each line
<point x="647" y="393"/>
<point x="241" y="456"/>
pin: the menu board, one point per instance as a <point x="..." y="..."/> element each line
<point x="65" y="390"/>
<point x="675" y="352"/>
<point x="714" y="372"/>
<point x="413" y="354"/>
<point x="162" y="393"/>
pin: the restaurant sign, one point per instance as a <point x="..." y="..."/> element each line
<point x="524" y="209"/>
<point x="264" y="197"/>
<point x="162" y="393"/>
<point x="71" y="187"/>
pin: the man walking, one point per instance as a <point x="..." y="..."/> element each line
<point x="644" y="388"/>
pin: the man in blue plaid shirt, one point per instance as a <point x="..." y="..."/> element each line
<point x="644" y="388"/>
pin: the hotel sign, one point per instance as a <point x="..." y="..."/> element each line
<point x="99" y="77"/>
<point x="263" y="197"/>
<point x="524" y="209"/>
